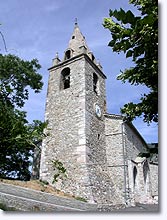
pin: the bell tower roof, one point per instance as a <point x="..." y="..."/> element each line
<point x="77" y="46"/>
<point x="77" y="42"/>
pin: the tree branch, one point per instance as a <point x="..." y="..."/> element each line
<point x="4" y="41"/>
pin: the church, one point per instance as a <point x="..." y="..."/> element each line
<point x="87" y="152"/>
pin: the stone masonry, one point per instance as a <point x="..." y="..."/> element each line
<point x="98" y="150"/>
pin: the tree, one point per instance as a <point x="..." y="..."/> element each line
<point x="17" y="137"/>
<point x="15" y="77"/>
<point x="137" y="37"/>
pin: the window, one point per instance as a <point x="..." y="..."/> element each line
<point x="95" y="80"/>
<point x="145" y="171"/>
<point x="65" y="78"/>
<point x="134" y="175"/>
<point x="67" y="54"/>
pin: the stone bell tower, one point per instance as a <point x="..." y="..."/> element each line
<point x="75" y="110"/>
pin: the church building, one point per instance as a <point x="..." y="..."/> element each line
<point x="87" y="152"/>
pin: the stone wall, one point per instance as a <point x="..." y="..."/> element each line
<point x="134" y="143"/>
<point x="65" y="112"/>
<point x="115" y="158"/>
<point x="77" y="136"/>
<point x="123" y="145"/>
<point x="154" y="179"/>
<point x="101" y="183"/>
<point x="138" y="173"/>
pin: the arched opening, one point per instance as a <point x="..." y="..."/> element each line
<point x="145" y="171"/>
<point x="67" y="54"/>
<point x="65" y="78"/>
<point x="146" y="177"/>
<point x="134" y="175"/>
<point x="95" y="83"/>
<point x="98" y="136"/>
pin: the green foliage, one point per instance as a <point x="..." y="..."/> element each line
<point x="16" y="75"/>
<point x="44" y="182"/>
<point x="137" y="38"/>
<point x="152" y="152"/>
<point x="17" y="137"/>
<point x="141" y="154"/>
<point x="60" y="170"/>
<point x="17" y="142"/>
<point x="14" y="158"/>
<point x="80" y="199"/>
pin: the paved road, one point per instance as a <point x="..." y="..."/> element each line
<point x="141" y="208"/>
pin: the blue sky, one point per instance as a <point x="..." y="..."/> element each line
<point x="40" y="28"/>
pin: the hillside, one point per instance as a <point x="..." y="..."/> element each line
<point x="38" y="185"/>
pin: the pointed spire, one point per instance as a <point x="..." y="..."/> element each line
<point x="77" y="43"/>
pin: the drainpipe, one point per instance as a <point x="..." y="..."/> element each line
<point x="124" y="162"/>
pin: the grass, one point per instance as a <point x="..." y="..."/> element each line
<point x="81" y="199"/>
<point x="42" y="186"/>
<point x="37" y="185"/>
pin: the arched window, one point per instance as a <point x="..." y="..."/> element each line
<point x="67" y="54"/>
<point x="145" y="171"/>
<point x="65" y="78"/>
<point x="134" y="175"/>
<point x="95" y="83"/>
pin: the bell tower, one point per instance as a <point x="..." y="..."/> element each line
<point x="75" y="110"/>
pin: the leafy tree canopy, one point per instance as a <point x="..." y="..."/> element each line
<point x="15" y="77"/>
<point x="17" y="137"/>
<point x="137" y="37"/>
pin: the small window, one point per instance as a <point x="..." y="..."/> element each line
<point x="73" y="37"/>
<point x="105" y="107"/>
<point x="145" y="171"/>
<point x="134" y="175"/>
<point x="67" y="54"/>
<point x="65" y="78"/>
<point x="95" y="80"/>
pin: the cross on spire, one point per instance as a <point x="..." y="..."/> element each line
<point x="76" y="21"/>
